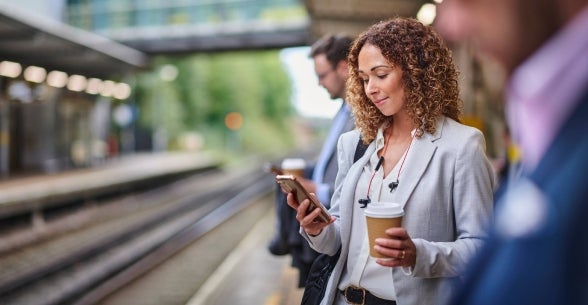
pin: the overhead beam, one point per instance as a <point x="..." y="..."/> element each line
<point x="355" y="16"/>
<point x="216" y="37"/>
<point x="34" y="40"/>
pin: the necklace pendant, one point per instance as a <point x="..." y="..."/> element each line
<point x="393" y="186"/>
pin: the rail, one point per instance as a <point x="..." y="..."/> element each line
<point x="179" y="214"/>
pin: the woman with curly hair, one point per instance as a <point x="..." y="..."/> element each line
<point x="404" y="93"/>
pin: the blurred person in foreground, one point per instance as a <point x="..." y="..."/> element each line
<point x="404" y="94"/>
<point x="538" y="250"/>
<point x="507" y="166"/>
<point x="329" y="55"/>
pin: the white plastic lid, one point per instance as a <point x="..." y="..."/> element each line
<point x="384" y="210"/>
<point x="293" y="163"/>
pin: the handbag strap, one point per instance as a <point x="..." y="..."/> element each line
<point x="359" y="150"/>
<point x="362" y="259"/>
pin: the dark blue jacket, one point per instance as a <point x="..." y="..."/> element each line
<point x="538" y="250"/>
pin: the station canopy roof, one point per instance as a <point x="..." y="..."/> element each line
<point x="35" y="40"/>
<point x="355" y="16"/>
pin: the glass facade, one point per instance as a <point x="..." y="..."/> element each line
<point x="108" y="16"/>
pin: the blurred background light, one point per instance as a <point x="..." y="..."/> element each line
<point x="57" y="79"/>
<point x="233" y="120"/>
<point x="35" y="74"/>
<point x="427" y="13"/>
<point x="10" y="69"/>
<point x="168" y="73"/>
<point x="77" y="83"/>
<point x="122" y="91"/>
<point x="94" y="86"/>
<point x="107" y="88"/>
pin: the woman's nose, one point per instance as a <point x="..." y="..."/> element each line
<point x="370" y="88"/>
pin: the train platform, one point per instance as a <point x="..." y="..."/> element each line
<point x="252" y="275"/>
<point x="24" y="194"/>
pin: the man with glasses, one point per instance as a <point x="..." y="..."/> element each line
<point x="329" y="55"/>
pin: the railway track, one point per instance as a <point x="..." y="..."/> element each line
<point x="135" y="234"/>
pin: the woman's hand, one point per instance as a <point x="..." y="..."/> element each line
<point x="308" y="221"/>
<point x="398" y="246"/>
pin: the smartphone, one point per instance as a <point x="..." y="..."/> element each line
<point x="291" y="185"/>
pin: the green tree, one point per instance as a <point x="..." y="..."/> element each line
<point x="208" y="87"/>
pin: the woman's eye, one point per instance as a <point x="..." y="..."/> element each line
<point x="365" y="80"/>
<point x="382" y="76"/>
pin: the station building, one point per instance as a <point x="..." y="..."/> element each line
<point x="59" y="88"/>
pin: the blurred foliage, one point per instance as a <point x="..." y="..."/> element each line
<point x="207" y="87"/>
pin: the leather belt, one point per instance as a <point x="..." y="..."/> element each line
<point x="359" y="296"/>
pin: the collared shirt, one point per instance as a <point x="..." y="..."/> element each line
<point x="323" y="190"/>
<point x="546" y="88"/>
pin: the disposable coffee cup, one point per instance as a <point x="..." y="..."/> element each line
<point x="379" y="217"/>
<point x="293" y="166"/>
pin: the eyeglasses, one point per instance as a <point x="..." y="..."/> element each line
<point x="323" y="75"/>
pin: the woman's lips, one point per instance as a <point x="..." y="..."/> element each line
<point x="380" y="101"/>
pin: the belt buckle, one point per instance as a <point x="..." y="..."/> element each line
<point x="355" y="289"/>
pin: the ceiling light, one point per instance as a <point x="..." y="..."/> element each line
<point x="10" y="69"/>
<point x="57" y="79"/>
<point x="34" y="74"/>
<point x="107" y="88"/>
<point x="77" y="83"/>
<point x="122" y="91"/>
<point x="94" y="86"/>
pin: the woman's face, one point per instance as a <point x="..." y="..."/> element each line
<point x="382" y="80"/>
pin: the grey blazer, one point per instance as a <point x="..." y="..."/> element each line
<point x="447" y="197"/>
<point x="332" y="167"/>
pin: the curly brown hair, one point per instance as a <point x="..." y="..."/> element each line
<point x="428" y="74"/>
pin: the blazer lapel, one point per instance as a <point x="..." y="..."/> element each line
<point x="420" y="154"/>
<point x="348" y="191"/>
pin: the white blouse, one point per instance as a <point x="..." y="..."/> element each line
<point x="374" y="277"/>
